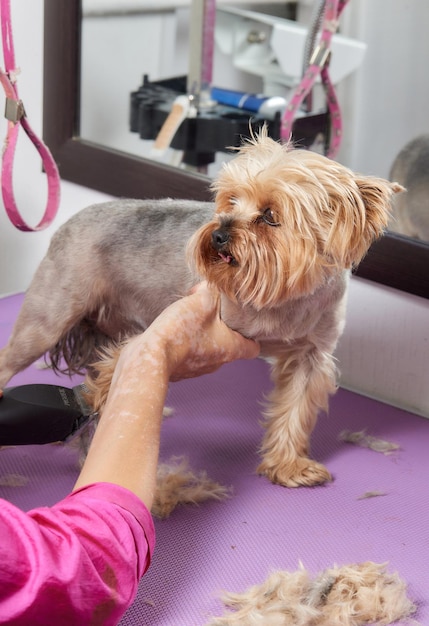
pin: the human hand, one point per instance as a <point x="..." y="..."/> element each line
<point x="190" y="338"/>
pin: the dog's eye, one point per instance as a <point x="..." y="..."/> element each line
<point x="268" y="217"/>
<point x="233" y="200"/>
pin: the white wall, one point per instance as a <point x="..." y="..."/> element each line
<point x="385" y="349"/>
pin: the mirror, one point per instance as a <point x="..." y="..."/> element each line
<point x="394" y="260"/>
<point x="141" y="61"/>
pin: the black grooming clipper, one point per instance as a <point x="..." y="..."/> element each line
<point x="39" y="414"/>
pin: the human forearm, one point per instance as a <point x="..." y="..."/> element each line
<point x="125" y="447"/>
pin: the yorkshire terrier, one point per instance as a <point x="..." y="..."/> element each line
<point x="278" y="243"/>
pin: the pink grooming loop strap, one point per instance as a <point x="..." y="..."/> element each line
<point x="16" y="116"/>
<point x="319" y="65"/>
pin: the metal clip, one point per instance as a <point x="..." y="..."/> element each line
<point x="14" y="110"/>
<point x="321" y="55"/>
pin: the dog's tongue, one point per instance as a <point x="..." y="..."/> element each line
<point x="225" y="257"/>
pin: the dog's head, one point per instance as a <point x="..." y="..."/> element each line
<point x="285" y="221"/>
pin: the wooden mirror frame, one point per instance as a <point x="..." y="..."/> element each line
<point x="395" y="261"/>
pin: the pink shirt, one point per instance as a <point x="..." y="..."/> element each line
<point x="76" y="563"/>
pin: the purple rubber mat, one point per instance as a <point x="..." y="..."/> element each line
<point x="230" y="545"/>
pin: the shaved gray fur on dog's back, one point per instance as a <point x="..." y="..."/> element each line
<point x="124" y="261"/>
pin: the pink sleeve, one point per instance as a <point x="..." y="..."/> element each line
<point x="78" y="562"/>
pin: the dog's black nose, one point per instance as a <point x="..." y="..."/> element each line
<point x="220" y="238"/>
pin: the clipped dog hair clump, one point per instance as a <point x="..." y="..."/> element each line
<point x="352" y="595"/>
<point x="363" y="440"/>
<point x="177" y="484"/>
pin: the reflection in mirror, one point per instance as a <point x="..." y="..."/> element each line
<point x="156" y="43"/>
<point x="118" y="170"/>
<point x="258" y="48"/>
<point x="410" y="214"/>
<point x="118" y="47"/>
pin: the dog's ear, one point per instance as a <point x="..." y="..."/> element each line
<point x="377" y="195"/>
<point x="365" y="217"/>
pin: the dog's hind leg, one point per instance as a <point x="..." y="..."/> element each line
<point x="49" y="310"/>
<point x="304" y="377"/>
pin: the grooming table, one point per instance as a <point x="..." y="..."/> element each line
<point x="233" y="544"/>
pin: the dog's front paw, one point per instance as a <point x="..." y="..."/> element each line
<point x="301" y="472"/>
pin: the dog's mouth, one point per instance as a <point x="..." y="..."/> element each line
<point x="227" y="258"/>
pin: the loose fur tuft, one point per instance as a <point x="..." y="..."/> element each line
<point x="352" y="595"/>
<point x="360" y="438"/>
<point x="177" y="484"/>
